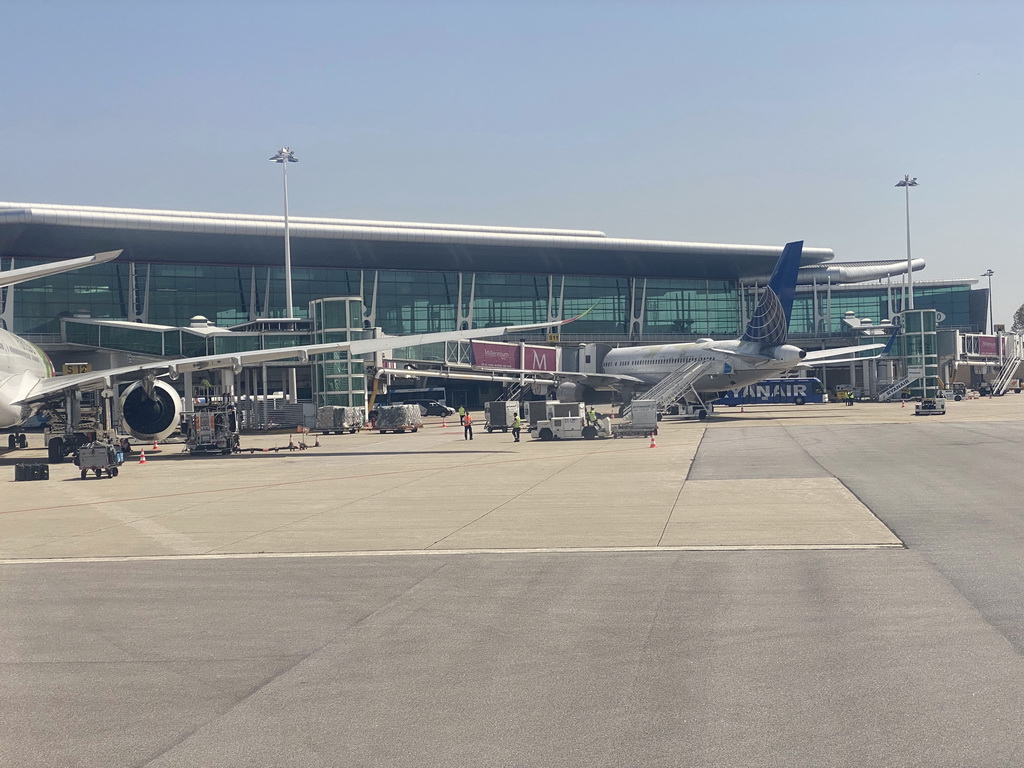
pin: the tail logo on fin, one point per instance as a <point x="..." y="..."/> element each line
<point x="770" y="324"/>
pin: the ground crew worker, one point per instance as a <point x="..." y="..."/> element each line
<point x="517" y="425"/>
<point x="591" y="415"/>
<point x="467" y="426"/>
<point x="462" y="415"/>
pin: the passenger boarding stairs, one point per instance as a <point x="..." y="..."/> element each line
<point x="668" y="391"/>
<point x="1007" y="374"/>
<point x="896" y="388"/>
<point x="512" y="392"/>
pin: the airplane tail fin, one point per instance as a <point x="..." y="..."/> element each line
<point x="770" y="322"/>
<point x="24" y="274"/>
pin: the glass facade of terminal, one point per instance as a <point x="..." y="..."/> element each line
<point x="339" y="379"/>
<point x="403" y="302"/>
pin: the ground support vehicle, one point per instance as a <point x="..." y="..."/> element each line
<point x="499" y="414"/>
<point x="72" y="426"/>
<point x="571" y="428"/>
<point x="642" y="421"/>
<point x="99" y="458"/>
<point x="930" y="406"/>
<point x="398" y="418"/>
<point x="211" y="428"/>
<point x="956" y="392"/>
<point x="699" y="411"/>
<point x="568" y="421"/>
<point x="537" y="410"/>
<point x="339" y="419"/>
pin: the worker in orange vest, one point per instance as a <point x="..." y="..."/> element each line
<point x="467" y="427"/>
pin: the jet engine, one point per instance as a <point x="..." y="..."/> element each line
<point x="569" y="392"/>
<point x="786" y="352"/>
<point x="151" y="416"/>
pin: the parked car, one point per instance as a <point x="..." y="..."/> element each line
<point x="434" y="408"/>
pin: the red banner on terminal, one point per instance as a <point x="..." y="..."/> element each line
<point x="496" y="354"/>
<point x="988" y="345"/>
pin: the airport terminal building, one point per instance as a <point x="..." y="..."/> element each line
<point x="410" y="277"/>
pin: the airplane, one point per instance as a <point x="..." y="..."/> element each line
<point x="150" y="407"/>
<point x="762" y="352"/>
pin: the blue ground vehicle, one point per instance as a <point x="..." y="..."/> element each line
<point x="777" y="391"/>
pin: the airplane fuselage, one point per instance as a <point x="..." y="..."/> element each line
<point x="737" y="363"/>
<point x="22" y="365"/>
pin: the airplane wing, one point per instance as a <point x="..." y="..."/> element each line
<point x="15" y="276"/>
<point x="514" y="375"/>
<point x="48" y="389"/>
<point x="825" y="355"/>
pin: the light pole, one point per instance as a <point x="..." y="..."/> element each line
<point x="906" y="182"/>
<point x="285" y="156"/>
<point x="988" y="273"/>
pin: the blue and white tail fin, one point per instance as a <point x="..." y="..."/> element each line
<point x="769" y="325"/>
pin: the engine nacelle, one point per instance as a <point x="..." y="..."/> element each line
<point x="787" y="352"/>
<point x="569" y="392"/>
<point x="151" y="418"/>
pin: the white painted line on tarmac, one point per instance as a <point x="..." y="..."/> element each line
<point x="453" y="552"/>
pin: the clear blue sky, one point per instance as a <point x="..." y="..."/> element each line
<point x="735" y="122"/>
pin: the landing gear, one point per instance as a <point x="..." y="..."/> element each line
<point x="17" y="441"/>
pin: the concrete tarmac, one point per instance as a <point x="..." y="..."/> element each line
<point x="815" y="586"/>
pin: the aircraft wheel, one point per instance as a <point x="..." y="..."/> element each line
<point x="12" y="442"/>
<point x="55" y="450"/>
<point x="22" y="441"/>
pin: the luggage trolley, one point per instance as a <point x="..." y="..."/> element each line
<point x="99" y="458"/>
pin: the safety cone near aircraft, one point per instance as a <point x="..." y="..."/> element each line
<point x="155" y="447"/>
<point x="443" y="424"/>
<point x="653" y="444"/>
<point x="142" y="456"/>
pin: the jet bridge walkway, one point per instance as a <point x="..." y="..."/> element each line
<point x="668" y="391"/>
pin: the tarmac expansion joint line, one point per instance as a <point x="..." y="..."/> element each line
<point x="457" y="552"/>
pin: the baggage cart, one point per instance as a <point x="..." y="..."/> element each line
<point x="99" y="458"/>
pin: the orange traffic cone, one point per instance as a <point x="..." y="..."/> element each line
<point x="155" y="448"/>
<point x="443" y="422"/>
<point x="741" y="409"/>
<point x="142" y="456"/>
<point x="903" y="403"/>
<point x="653" y="444"/>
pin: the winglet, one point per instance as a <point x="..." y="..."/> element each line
<point x="24" y="274"/>
<point x="770" y="322"/>
<point x="888" y="344"/>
